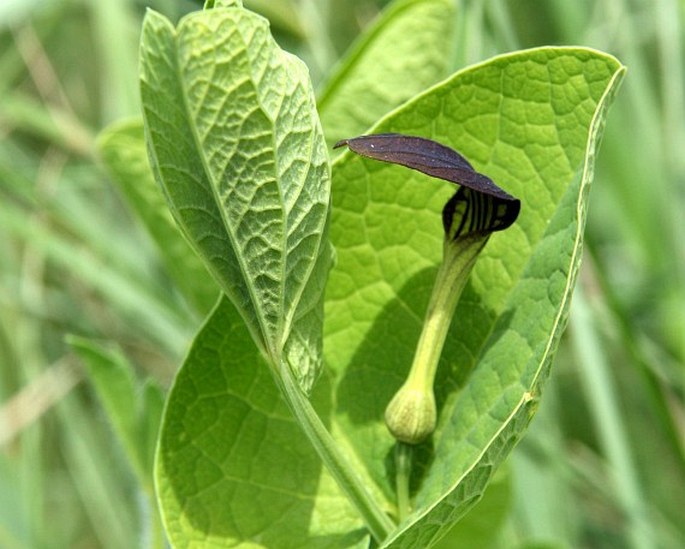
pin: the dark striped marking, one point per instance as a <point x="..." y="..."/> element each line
<point x="472" y="212"/>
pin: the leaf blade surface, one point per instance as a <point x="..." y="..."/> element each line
<point x="529" y="121"/>
<point x="233" y="467"/>
<point x="235" y="142"/>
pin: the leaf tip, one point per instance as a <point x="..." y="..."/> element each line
<point x="341" y="143"/>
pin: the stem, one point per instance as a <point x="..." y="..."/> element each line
<point x="403" y="458"/>
<point x="376" y="520"/>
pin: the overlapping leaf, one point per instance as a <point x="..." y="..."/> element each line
<point x="233" y="467"/>
<point x="530" y="121"/>
<point x="235" y="142"/>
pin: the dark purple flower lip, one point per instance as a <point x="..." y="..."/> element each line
<point x="495" y="213"/>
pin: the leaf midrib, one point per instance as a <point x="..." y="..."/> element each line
<point x="264" y="346"/>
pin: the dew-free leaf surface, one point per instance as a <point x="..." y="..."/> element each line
<point x="234" y="468"/>
<point x="530" y="121"/>
<point x="235" y="142"/>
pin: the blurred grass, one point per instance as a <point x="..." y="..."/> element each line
<point x="604" y="462"/>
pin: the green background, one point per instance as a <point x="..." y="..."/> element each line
<point x="601" y="461"/>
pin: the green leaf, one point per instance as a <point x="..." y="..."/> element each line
<point x="134" y="409"/>
<point x="122" y="149"/>
<point x="531" y="121"/>
<point x="483" y="525"/>
<point x="234" y="467"/>
<point x="235" y="142"/>
<point x="408" y="48"/>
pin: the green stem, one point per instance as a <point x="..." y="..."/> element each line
<point x="376" y="520"/>
<point x="403" y="458"/>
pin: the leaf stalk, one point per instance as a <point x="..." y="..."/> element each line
<point x="378" y="522"/>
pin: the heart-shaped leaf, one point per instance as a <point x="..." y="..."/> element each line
<point x="531" y="121"/>
<point x="233" y="465"/>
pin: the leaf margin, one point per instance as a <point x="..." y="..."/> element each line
<point x="527" y="405"/>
